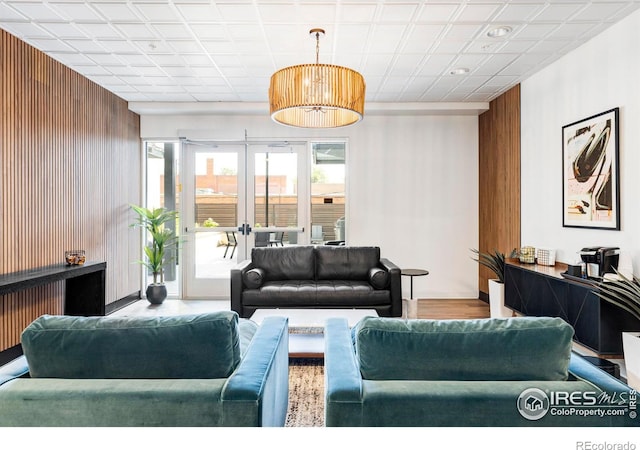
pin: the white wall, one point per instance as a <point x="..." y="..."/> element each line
<point x="602" y="74"/>
<point x="412" y="187"/>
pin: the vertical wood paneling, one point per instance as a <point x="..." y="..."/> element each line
<point x="499" y="178"/>
<point x="70" y="165"/>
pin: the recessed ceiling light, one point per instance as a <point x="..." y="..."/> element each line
<point x="499" y="31"/>
<point x="459" y="71"/>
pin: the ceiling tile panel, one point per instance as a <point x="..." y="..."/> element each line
<point x="118" y="46"/>
<point x="422" y="37"/>
<point x="9" y="14"/>
<point x="117" y="12"/>
<point x="238" y="12"/>
<point x="357" y="13"/>
<point x="478" y="13"/>
<point x="86" y="65"/>
<point x="63" y="30"/>
<point x="199" y="13"/>
<point x="85" y="46"/>
<point x="27" y="31"/>
<point x="463" y="32"/>
<point x="171" y="30"/>
<point x="398" y="12"/>
<point x="185" y="46"/>
<point x="100" y="31"/>
<point x="559" y="12"/>
<point x="210" y="31"/>
<point x="158" y="12"/>
<point x="136" y="30"/>
<point x="206" y="50"/>
<point x="566" y="31"/>
<point x="36" y="11"/>
<point x="51" y="45"/>
<point x="535" y="31"/>
<point x="76" y="12"/>
<point x="386" y="38"/>
<point x="433" y="13"/>
<point x="517" y="13"/>
<point x="320" y="15"/>
<point x="436" y="65"/>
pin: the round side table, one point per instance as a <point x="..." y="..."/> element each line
<point x="412" y="304"/>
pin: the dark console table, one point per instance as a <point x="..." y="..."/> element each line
<point x="84" y="285"/>
<point x="535" y="290"/>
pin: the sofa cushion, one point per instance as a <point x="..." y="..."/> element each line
<point x="253" y="278"/>
<point x="379" y="278"/>
<point x="523" y="348"/>
<point x="345" y="263"/>
<point x="303" y="294"/>
<point x="188" y="346"/>
<point x="284" y="263"/>
<point x="247" y="329"/>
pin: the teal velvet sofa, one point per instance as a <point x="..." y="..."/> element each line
<point x="209" y="370"/>
<point x="515" y="372"/>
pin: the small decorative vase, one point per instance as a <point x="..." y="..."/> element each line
<point x="156" y="293"/>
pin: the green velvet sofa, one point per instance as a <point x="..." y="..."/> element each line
<point x="515" y="372"/>
<point x="194" y="370"/>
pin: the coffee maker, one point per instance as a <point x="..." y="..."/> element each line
<point x="600" y="260"/>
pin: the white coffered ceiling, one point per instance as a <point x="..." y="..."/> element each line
<point x="226" y="51"/>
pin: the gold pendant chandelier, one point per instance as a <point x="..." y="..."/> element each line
<point x="316" y="95"/>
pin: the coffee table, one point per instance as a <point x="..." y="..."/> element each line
<point x="309" y="342"/>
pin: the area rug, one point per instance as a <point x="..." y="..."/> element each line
<point x="306" y="393"/>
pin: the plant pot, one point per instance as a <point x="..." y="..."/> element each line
<point x="631" y="348"/>
<point x="496" y="300"/>
<point x="156" y="293"/>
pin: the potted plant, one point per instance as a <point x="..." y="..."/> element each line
<point x="624" y="292"/>
<point x="495" y="262"/>
<point x="159" y="250"/>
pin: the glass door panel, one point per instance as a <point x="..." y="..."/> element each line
<point x="162" y="171"/>
<point x="278" y="180"/>
<point x="213" y="196"/>
<point x="328" y="192"/>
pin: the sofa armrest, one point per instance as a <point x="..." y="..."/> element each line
<point x="237" y="285"/>
<point x="15" y="369"/>
<point x="585" y="371"/>
<point x="261" y="381"/>
<point x="395" y="286"/>
<point x="343" y="383"/>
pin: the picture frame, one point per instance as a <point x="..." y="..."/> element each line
<point x="591" y="172"/>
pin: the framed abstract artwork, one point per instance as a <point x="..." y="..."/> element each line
<point x="590" y="172"/>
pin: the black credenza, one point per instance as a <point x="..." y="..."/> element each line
<point x="534" y="290"/>
<point x="84" y="285"/>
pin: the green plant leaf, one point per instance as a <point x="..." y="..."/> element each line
<point x="623" y="292"/>
<point x="494" y="261"/>
<point x="162" y="239"/>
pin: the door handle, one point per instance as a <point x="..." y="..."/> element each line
<point x="244" y="229"/>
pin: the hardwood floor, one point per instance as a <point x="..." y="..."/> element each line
<point x="450" y="308"/>
<point x="427" y="308"/>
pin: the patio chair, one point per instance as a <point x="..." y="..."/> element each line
<point x="276" y="239"/>
<point x="317" y="236"/>
<point x="231" y="242"/>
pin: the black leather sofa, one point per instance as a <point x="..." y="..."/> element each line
<point x="316" y="277"/>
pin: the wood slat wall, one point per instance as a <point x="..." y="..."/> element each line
<point x="70" y="161"/>
<point x="499" y="178"/>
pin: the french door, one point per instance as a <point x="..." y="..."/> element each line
<point x="236" y="196"/>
